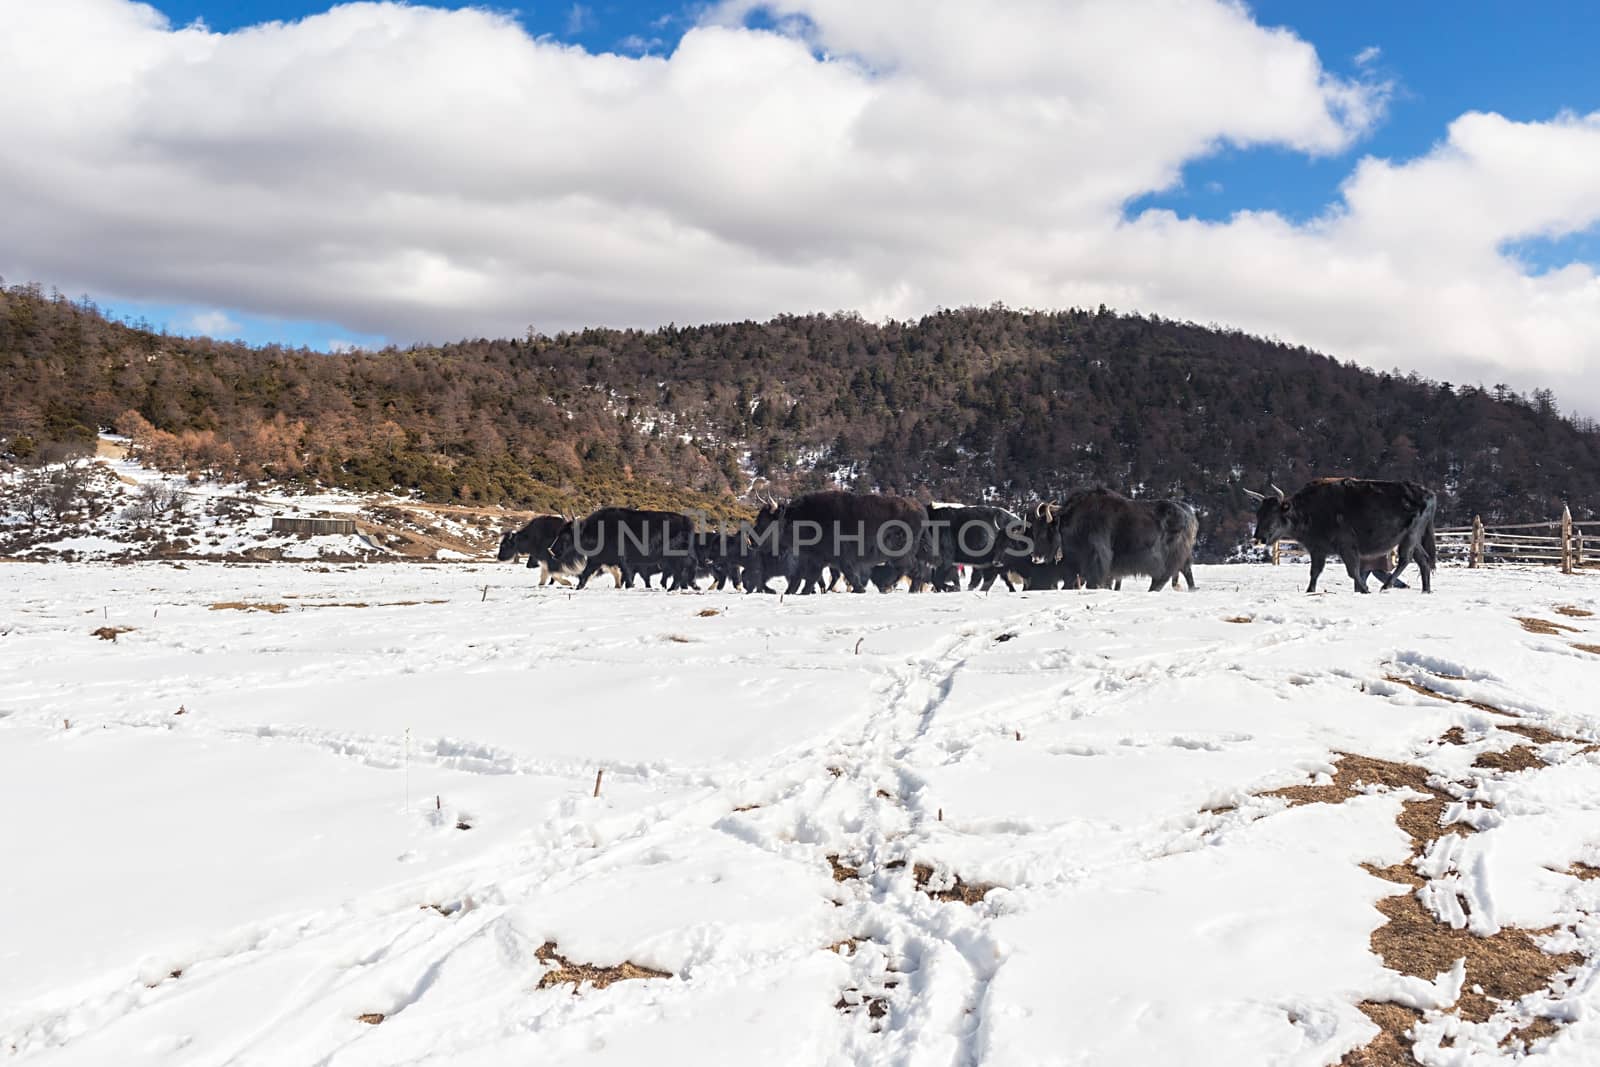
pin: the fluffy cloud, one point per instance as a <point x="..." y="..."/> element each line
<point x="424" y="173"/>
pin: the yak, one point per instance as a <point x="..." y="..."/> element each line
<point x="1356" y="519"/>
<point x="1101" y="536"/>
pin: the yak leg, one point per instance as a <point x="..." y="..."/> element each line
<point x="1425" y="565"/>
<point x="1319" y="559"/>
<point x="1352" y="565"/>
<point x="589" y="571"/>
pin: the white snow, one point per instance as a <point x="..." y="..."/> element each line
<point x="288" y="845"/>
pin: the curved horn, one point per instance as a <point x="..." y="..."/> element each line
<point x="1253" y="495"/>
<point x="1277" y="492"/>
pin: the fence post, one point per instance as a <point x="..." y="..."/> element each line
<point x="1475" y="550"/>
<point x="1566" y="539"/>
<point x="1276" y="551"/>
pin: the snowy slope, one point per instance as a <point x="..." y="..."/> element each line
<point x="378" y="799"/>
<point x="121" y="509"/>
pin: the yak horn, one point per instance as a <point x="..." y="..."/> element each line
<point x="1253" y="495"/>
<point x="1278" y="492"/>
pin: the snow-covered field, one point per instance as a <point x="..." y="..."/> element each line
<point x="231" y="834"/>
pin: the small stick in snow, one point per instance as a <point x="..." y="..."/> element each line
<point x="597" y="776"/>
<point x="438" y="805"/>
<point x="485" y="596"/>
<point x="1019" y="735"/>
<point x="66" y="724"/>
<point x="858" y="645"/>
<point x="941" y="815"/>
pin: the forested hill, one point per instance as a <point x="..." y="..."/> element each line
<point x="955" y="406"/>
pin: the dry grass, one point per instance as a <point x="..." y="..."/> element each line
<point x="877" y="1007"/>
<point x="1544" y="626"/>
<point x="578" y="973"/>
<point x="1240" y="618"/>
<point x="1427" y="691"/>
<point x="1391" y="1048"/>
<point x="1594" y="649"/>
<point x="1516" y="758"/>
<point x="1537" y="734"/>
<point x="1500" y="969"/>
<point x="1453" y="736"/>
<point x="1584" y="872"/>
<point x="706" y="613"/>
<point x="1506" y="966"/>
<point x="1525" y="1036"/>
<point x="1350" y="772"/>
<point x="677" y="639"/>
<point x="957" y="890"/>
<point x="842" y="872"/>
<point x="241" y="605"/>
<point x="1573" y="612"/>
<point x="371" y="1018"/>
<point x="109" y="633"/>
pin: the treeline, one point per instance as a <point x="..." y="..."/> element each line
<point x="959" y="405"/>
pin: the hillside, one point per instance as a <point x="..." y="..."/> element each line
<point x="958" y="405"/>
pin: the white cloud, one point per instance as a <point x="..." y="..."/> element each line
<point x="216" y="324"/>
<point x="1368" y="56"/>
<point x="579" y="18"/>
<point x="420" y="173"/>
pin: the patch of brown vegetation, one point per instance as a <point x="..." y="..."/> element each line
<point x="678" y="639"/>
<point x="848" y="942"/>
<point x="1584" y="871"/>
<point x="877" y="1007"/>
<point x="578" y="973"/>
<point x="957" y="890"/>
<point x="706" y="613"/>
<point x="1524" y="1036"/>
<point x="1453" y="736"/>
<point x="331" y="604"/>
<point x="1240" y="618"/>
<point x="842" y="872"/>
<point x="1537" y="734"/>
<point x="1593" y="649"/>
<point x="109" y="633"/>
<point x="241" y="605"/>
<point x="1507" y="966"/>
<point x="1572" y="612"/>
<point x="1544" y="626"/>
<point x="1350" y="772"/>
<point x="1418" y="687"/>
<point x="371" y="1018"/>
<point x="1516" y="758"/>
<point x="1391" y="1048"/>
<point x="747" y="807"/>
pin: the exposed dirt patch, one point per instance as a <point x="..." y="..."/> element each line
<point x="1240" y="618"/>
<point x="1391" y="1048"/>
<point x="706" y="613"/>
<point x="1418" y="687"/>
<point x="109" y="633"/>
<point x="848" y="942"/>
<point x="950" y="887"/>
<point x="1544" y="626"/>
<point x="1572" y="612"/>
<point x="842" y="872"/>
<point x="853" y="1000"/>
<point x="371" y="1018"/>
<point x="242" y="605"/>
<point x="1516" y="758"/>
<point x="1524" y="1037"/>
<point x="1001" y="639"/>
<point x="1584" y="871"/>
<point x="1592" y="649"/>
<point x="1453" y="736"/>
<point x="1350" y="773"/>
<point x="1537" y="734"/>
<point x="578" y="973"/>
<point x="1506" y="966"/>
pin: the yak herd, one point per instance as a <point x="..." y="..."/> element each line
<point x="1090" y="538"/>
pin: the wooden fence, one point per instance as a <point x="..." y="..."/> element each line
<point x="1560" y="543"/>
<point x="313" y="526"/>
